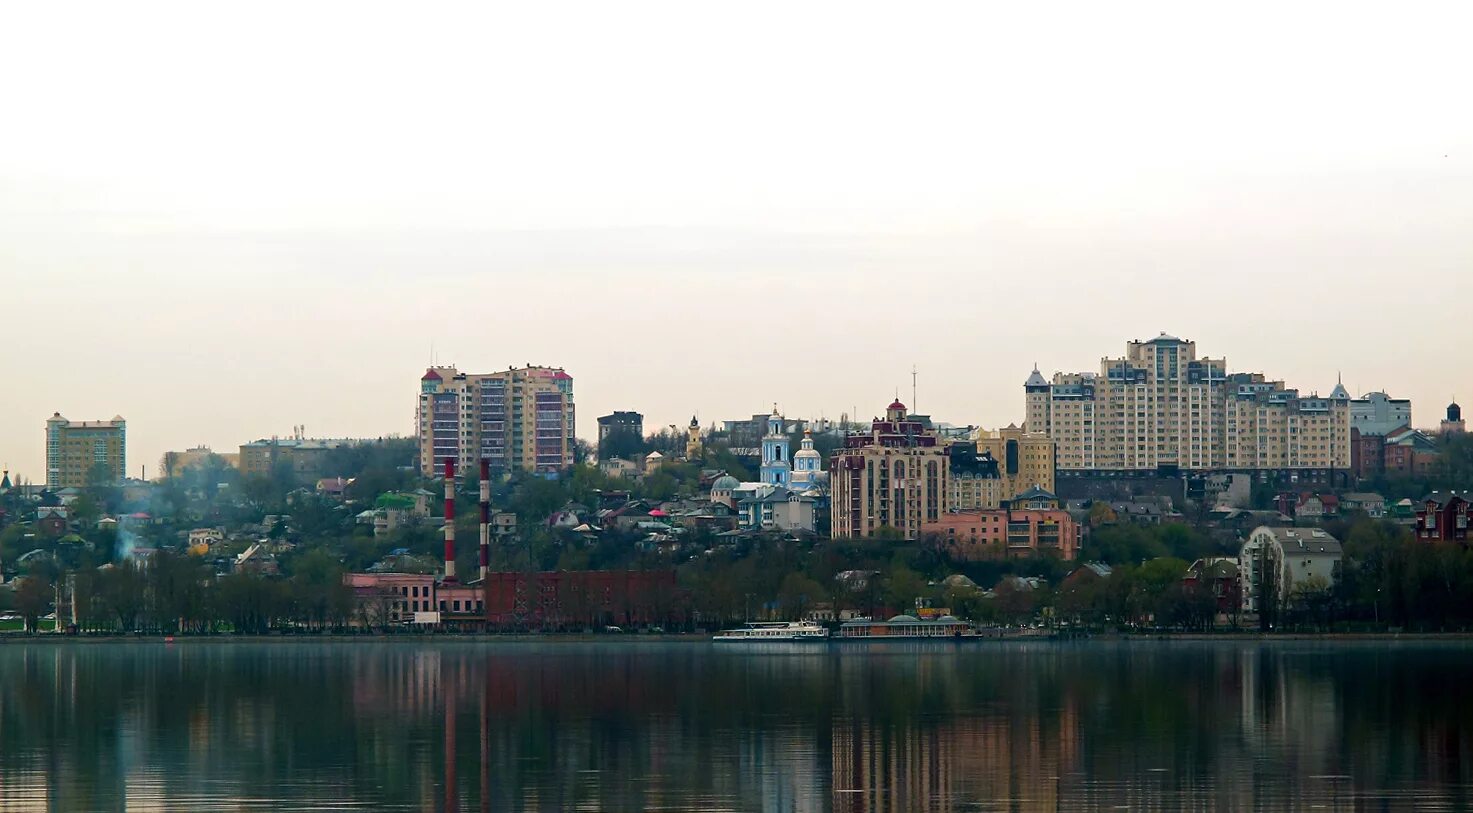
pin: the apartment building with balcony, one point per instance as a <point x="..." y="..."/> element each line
<point x="897" y="475"/>
<point x="519" y="419"/>
<point x="1161" y="407"/>
<point x="83" y="453"/>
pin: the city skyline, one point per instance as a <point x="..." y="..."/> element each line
<point x="219" y="247"/>
<point x="1424" y="416"/>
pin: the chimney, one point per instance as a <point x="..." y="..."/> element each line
<point x="485" y="518"/>
<point x="450" y="520"/>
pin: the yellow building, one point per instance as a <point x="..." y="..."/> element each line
<point x="518" y="419"/>
<point x="173" y="464"/>
<point x="1024" y="459"/>
<point x="1160" y="406"/>
<point x="83" y="453"/>
<point x="299" y="459"/>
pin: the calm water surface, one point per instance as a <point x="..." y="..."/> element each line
<point x="629" y="726"/>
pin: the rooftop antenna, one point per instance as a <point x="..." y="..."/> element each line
<point x="913" y="406"/>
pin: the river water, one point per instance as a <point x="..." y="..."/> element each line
<point x="628" y="726"/>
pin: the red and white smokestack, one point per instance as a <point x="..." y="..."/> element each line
<point x="485" y="518"/>
<point x="450" y="520"/>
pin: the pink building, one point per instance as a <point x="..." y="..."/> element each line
<point x="1005" y="533"/>
<point x="395" y="598"/>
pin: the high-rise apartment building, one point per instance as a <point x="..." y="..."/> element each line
<point x="518" y="419"/>
<point x="83" y="453"/>
<point x="896" y="475"/>
<point x="1162" y="407"/>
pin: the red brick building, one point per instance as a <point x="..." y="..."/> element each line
<point x="1367" y="454"/>
<point x="1443" y="517"/>
<point x="1219" y="576"/>
<point x="582" y="599"/>
<point x="561" y="600"/>
<point x="1402" y="452"/>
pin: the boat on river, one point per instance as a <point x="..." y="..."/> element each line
<point x="907" y="627"/>
<point x="774" y="631"/>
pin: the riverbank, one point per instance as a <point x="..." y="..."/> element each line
<point x="700" y="638"/>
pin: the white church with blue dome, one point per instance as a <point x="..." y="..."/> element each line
<point x="788" y="486"/>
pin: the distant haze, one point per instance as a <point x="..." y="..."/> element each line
<point x="222" y="221"/>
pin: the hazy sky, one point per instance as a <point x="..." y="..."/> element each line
<point x="223" y="220"/>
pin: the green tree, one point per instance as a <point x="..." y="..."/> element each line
<point x="798" y="594"/>
<point x="1100" y="513"/>
<point x="902" y="587"/>
<point x="623" y="442"/>
<point x="32" y="599"/>
<point x="122" y="587"/>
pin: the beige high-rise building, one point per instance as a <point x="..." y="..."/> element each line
<point x="518" y="419"/>
<point x="1024" y="459"/>
<point x="1160" y="406"/>
<point x="83" y="453"/>
<point x="897" y="475"/>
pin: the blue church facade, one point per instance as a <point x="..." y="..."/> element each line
<point x="776" y="461"/>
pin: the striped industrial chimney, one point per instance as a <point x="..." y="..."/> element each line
<point x="450" y="520"/>
<point x="485" y="518"/>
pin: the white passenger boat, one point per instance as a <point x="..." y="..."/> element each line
<point x="759" y="631"/>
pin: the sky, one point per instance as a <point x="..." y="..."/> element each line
<point x="225" y="220"/>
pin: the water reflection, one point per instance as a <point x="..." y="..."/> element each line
<point x="520" y="727"/>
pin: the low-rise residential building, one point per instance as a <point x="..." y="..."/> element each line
<point x="204" y="538"/>
<point x="1442" y="516"/>
<point x="1292" y="556"/>
<point x="1219" y="576"/>
<point x="778" y="510"/>
<point x="1308" y="505"/>
<point x="1006" y="533"/>
<point x="619" y="467"/>
<point x="1400" y="452"/>
<point x="1373" y="505"/>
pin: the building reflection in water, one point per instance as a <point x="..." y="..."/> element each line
<point x="462" y="727"/>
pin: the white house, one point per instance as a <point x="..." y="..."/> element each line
<point x="1297" y="554"/>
